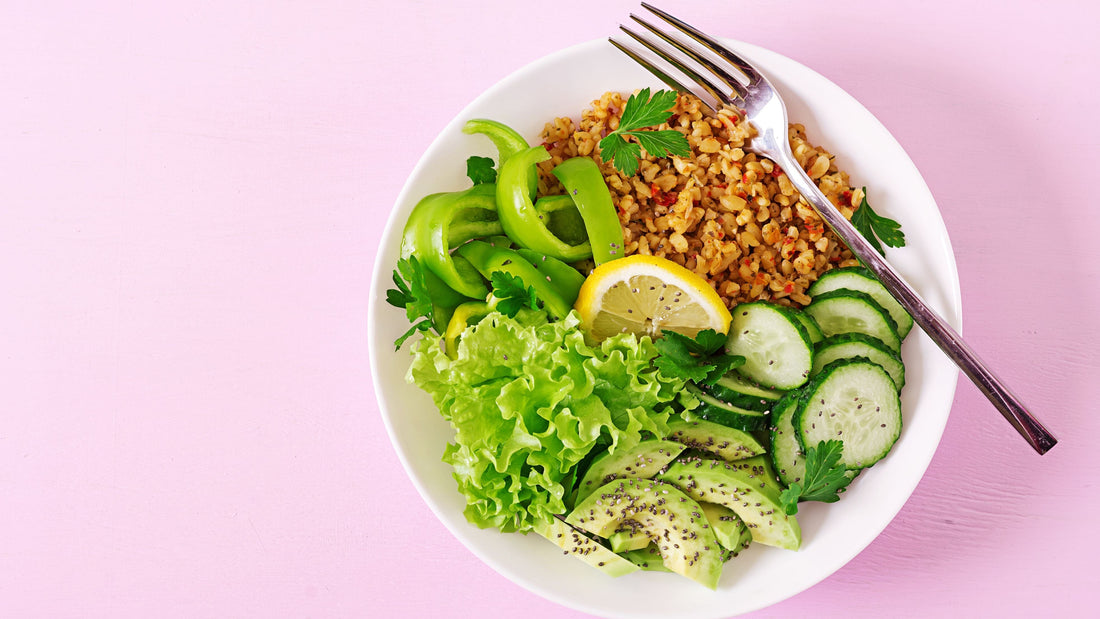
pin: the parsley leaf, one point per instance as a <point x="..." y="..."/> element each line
<point x="480" y="170"/>
<point x="825" y="477"/>
<point x="874" y="227"/>
<point x="412" y="295"/>
<point x="622" y="154"/>
<point x="511" y="295"/>
<point x="641" y="111"/>
<point x="699" y="359"/>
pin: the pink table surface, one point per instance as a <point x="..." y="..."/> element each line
<point x="191" y="196"/>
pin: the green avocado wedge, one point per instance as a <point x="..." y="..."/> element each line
<point x="748" y="487"/>
<point x="684" y="538"/>
<point x="579" y="545"/>
<point x="642" y="460"/>
<point x="727" y="443"/>
<point x="730" y="531"/>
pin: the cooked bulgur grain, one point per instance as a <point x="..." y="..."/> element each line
<point x="729" y="215"/>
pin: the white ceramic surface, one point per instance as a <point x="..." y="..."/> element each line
<point x="563" y="84"/>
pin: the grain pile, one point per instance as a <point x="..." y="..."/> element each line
<point x="727" y="214"/>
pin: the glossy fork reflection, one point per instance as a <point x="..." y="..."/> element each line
<point x="736" y="83"/>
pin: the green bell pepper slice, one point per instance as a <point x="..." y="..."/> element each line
<point x="508" y="142"/>
<point x="521" y="220"/>
<point x="584" y="183"/>
<point x="563" y="278"/>
<point x="444" y="300"/>
<point x="464" y="316"/>
<point x="561" y="216"/>
<point x="488" y="259"/>
<point x="442" y="221"/>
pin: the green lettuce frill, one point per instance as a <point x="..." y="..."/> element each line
<point x="529" y="400"/>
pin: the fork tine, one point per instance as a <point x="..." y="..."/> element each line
<point x="652" y="68"/>
<point x="709" y="43"/>
<point x="703" y="82"/>
<point x="724" y="76"/>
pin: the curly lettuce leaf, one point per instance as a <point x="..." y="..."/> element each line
<point x="529" y="400"/>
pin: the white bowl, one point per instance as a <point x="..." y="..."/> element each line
<point x="563" y="84"/>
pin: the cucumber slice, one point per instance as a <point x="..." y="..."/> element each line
<point x="863" y="280"/>
<point x="811" y="326"/>
<point x="740" y="391"/>
<point x="711" y="408"/>
<point x="847" y="311"/>
<point x="786" y="452"/>
<point x="787" y="456"/>
<point x="850" y="345"/>
<point x="777" y="349"/>
<point x="853" y="401"/>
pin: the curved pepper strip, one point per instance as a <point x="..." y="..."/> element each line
<point x="464" y="315"/>
<point x="521" y="220"/>
<point x="488" y="259"/>
<point x="428" y="235"/>
<point x="474" y="219"/>
<point x="560" y="214"/>
<point x="562" y="277"/>
<point x="584" y="183"/>
<point x="444" y="300"/>
<point x="508" y="142"/>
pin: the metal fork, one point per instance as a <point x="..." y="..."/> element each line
<point x="742" y="86"/>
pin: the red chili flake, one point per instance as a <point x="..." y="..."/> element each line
<point x="660" y="197"/>
<point x="744" y="178"/>
<point x="776" y="171"/>
<point x="547" y="145"/>
<point x="789" y="288"/>
<point x="720" y="185"/>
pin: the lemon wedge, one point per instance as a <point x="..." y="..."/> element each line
<point x="646" y="295"/>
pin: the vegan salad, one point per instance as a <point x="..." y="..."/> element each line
<point x="614" y="404"/>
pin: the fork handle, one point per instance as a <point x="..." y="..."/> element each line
<point x="930" y="322"/>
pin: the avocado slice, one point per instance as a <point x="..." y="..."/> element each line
<point x="684" y="539"/>
<point x="642" y="460"/>
<point x="730" y="531"/>
<point x="723" y="441"/>
<point x="627" y="539"/>
<point x="575" y="542"/>
<point x="748" y="487"/>
<point x="647" y="557"/>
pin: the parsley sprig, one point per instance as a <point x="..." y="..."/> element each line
<point x="825" y="477"/>
<point x="511" y="295"/>
<point x="412" y="295"/>
<point x="874" y="227"/>
<point x="643" y="111"/>
<point x="699" y="359"/>
<point x="480" y="170"/>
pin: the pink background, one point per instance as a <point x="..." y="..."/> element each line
<point x="190" y="201"/>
